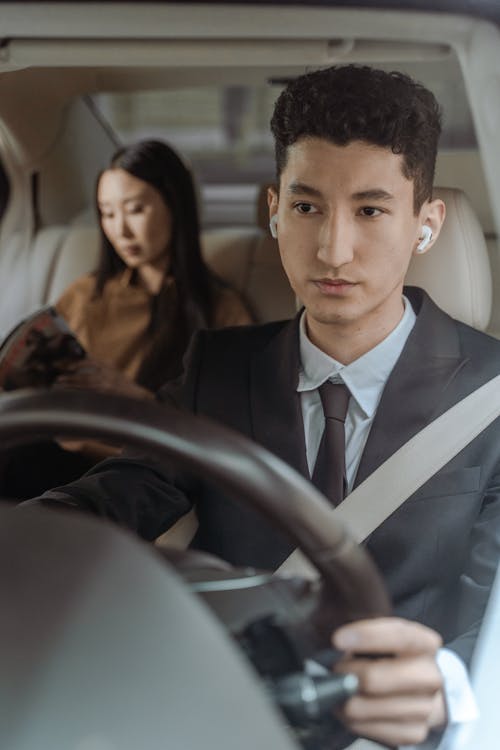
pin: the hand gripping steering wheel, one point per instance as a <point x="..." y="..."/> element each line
<point x="350" y="586"/>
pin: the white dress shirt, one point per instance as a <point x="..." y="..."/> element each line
<point x="366" y="378"/>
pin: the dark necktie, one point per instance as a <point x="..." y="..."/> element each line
<point x="329" y="474"/>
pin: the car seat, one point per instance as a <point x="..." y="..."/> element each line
<point x="456" y="272"/>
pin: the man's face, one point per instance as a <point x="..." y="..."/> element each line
<point x="347" y="230"/>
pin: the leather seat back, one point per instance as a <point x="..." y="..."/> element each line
<point x="456" y="271"/>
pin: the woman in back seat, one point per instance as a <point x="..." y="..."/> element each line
<point x="152" y="289"/>
<point x="136" y="313"/>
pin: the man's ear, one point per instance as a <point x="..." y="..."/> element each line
<point x="432" y="215"/>
<point x="272" y="202"/>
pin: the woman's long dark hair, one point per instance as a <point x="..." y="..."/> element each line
<point x="174" y="317"/>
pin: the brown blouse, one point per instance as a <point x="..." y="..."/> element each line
<point x="113" y="327"/>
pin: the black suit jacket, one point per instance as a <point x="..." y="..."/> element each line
<point x="438" y="552"/>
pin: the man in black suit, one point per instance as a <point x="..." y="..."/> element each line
<point x="355" y="151"/>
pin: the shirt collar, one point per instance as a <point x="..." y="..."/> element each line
<point x="366" y="376"/>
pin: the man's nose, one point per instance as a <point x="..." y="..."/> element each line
<point x="336" y="240"/>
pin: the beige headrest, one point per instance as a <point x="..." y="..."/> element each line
<point x="456" y="271"/>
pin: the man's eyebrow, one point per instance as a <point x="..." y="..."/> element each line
<point x="374" y="194"/>
<point x="300" y="188"/>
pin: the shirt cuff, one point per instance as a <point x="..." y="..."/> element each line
<point x="460" y="701"/>
<point x="461" y="704"/>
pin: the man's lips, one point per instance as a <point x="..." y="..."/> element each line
<point x="334" y="286"/>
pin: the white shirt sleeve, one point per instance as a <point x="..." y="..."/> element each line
<point x="460" y="701"/>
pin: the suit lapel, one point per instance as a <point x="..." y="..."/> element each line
<point x="274" y="402"/>
<point x="418" y="388"/>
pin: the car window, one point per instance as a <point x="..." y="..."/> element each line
<point x="224" y="130"/>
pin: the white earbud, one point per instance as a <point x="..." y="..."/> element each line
<point x="426" y="238"/>
<point x="273" y="226"/>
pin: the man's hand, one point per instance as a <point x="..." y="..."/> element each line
<point x="400" y="696"/>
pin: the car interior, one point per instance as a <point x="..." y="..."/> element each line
<point x="78" y="79"/>
<point x="58" y="131"/>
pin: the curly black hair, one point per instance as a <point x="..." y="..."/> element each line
<point x="358" y="103"/>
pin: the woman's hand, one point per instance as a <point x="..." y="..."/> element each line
<point x="93" y="374"/>
<point x="400" y="698"/>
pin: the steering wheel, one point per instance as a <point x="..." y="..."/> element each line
<point x="351" y="587"/>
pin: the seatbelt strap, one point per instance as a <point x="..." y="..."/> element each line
<point x="375" y="499"/>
